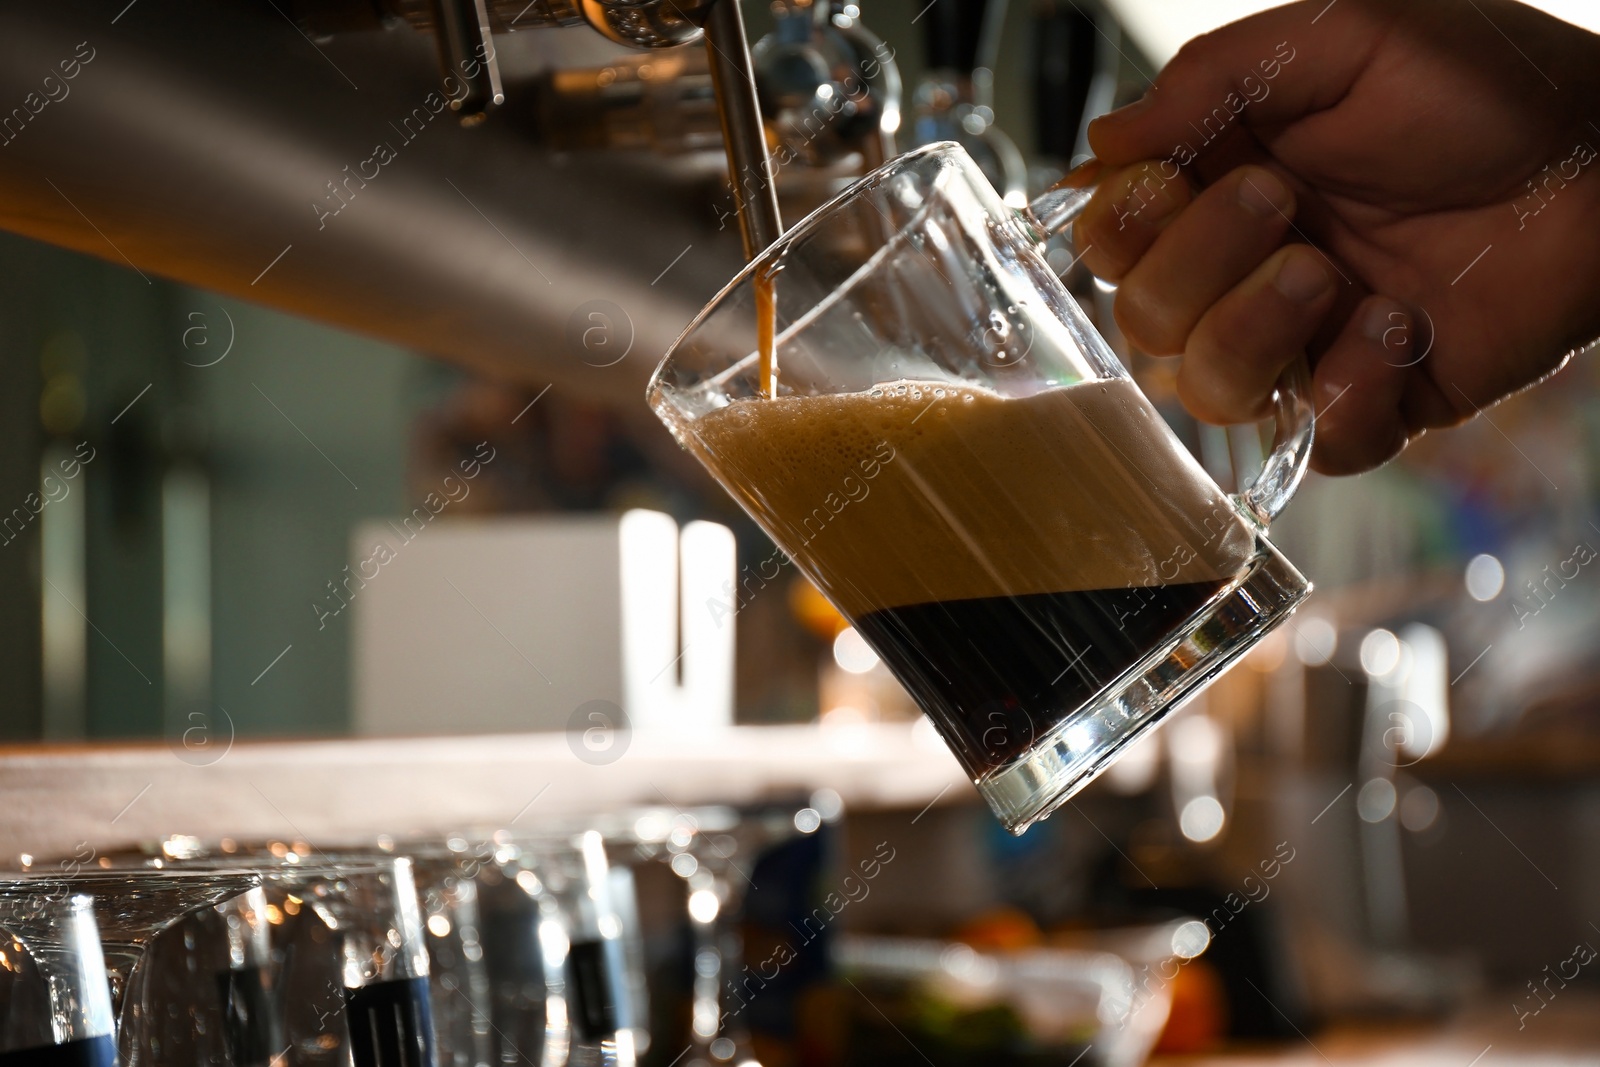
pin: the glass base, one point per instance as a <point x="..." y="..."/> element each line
<point x="1089" y="740"/>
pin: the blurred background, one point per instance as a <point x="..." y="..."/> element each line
<point x="205" y="446"/>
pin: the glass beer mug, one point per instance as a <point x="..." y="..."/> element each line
<point x="927" y="424"/>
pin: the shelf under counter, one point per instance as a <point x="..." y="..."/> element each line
<point x="56" y="798"/>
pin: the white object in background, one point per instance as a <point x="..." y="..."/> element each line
<point x="1427" y="687"/>
<point x="513" y="624"/>
<point x="1160" y="27"/>
<point x="698" y="645"/>
<point x="63" y="564"/>
<point x="1408" y="691"/>
<point x="1198" y="753"/>
<point x="1136" y="769"/>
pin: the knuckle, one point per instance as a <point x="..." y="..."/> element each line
<point x="1131" y="321"/>
<point x="1188" y="57"/>
<point x="1148" y="321"/>
<point x="1106" y="252"/>
<point x="1218" y="386"/>
<point x="1198" y="397"/>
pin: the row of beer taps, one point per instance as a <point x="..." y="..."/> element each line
<point x="827" y="90"/>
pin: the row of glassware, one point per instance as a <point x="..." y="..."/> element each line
<point x="468" y="950"/>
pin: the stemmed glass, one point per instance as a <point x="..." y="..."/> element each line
<point x="676" y="839"/>
<point x="45" y="912"/>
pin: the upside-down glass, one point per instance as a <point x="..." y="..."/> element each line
<point x="713" y="850"/>
<point x="212" y="996"/>
<point x="341" y="938"/>
<point x="457" y="977"/>
<point x="699" y="848"/>
<point x="554" y="943"/>
<point x="73" y="1027"/>
<point x="131" y="907"/>
<point x="959" y="461"/>
<point x="353" y="978"/>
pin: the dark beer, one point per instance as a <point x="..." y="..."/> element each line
<point x="391" y="1024"/>
<point x="1003" y="668"/>
<point x="1008" y="557"/>
<point x="590" y="988"/>
<point x="86" y="1052"/>
<point x="249" y="1017"/>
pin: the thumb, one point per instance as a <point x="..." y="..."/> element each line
<point x="1263" y="71"/>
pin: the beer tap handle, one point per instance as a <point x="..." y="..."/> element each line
<point x="466" y="52"/>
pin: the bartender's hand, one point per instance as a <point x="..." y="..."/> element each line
<point x="1367" y="202"/>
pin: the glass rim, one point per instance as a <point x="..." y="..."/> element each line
<point x="806" y="227"/>
<point x="119" y="875"/>
<point x="271" y="867"/>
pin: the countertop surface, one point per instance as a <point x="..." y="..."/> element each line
<point x="55" y="799"/>
<point x="1566" y="1031"/>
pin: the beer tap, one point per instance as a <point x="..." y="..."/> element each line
<point x="466" y="51"/>
<point x="955" y="101"/>
<point x="465" y="30"/>
<point x="829" y="86"/>
<point x="830" y="94"/>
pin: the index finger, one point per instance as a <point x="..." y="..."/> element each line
<point x="1263" y="71"/>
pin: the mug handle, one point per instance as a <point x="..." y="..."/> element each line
<point x="1293" y="414"/>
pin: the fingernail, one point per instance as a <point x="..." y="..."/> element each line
<point x="1121" y="114"/>
<point x="1381" y="318"/>
<point x="1389" y="326"/>
<point x="1302" y="279"/>
<point x="1328" y="393"/>
<point x="1263" y="194"/>
<point x="1083" y="175"/>
<point x="1128" y="111"/>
